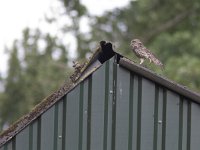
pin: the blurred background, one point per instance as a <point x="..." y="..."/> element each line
<point x="40" y="39"/>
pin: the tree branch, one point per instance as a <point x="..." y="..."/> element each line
<point x="167" y="25"/>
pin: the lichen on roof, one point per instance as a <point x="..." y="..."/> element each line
<point x="36" y="112"/>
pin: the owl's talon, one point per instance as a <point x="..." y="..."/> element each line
<point x="149" y="61"/>
<point x="141" y="61"/>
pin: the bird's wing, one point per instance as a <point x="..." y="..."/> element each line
<point x="153" y="58"/>
<point x="143" y="52"/>
<point x="156" y="61"/>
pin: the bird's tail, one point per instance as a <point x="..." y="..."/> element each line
<point x="158" y="62"/>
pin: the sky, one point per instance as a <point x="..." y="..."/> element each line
<point x="15" y="15"/>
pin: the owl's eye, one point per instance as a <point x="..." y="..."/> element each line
<point x="135" y="46"/>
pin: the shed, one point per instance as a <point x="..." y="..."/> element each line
<point x="114" y="104"/>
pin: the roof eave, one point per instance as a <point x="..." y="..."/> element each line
<point x="182" y="90"/>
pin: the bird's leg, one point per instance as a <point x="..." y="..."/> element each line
<point x="150" y="60"/>
<point x="141" y="60"/>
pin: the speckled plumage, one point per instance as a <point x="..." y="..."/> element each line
<point x="143" y="53"/>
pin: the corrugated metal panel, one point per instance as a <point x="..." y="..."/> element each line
<point x="172" y="121"/>
<point x="97" y="109"/>
<point x="195" y="125"/>
<point x="23" y="137"/>
<point x="122" y="109"/>
<point x="114" y="109"/>
<point x="34" y="136"/>
<point x="9" y="145"/>
<point x="47" y="129"/>
<point x="72" y="119"/>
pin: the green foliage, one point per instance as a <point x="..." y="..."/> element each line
<point x="33" y="74"/>
<point x="186" y="70"/>
<point x="74" y="8"/>
<point x="12" y="90"/>
<point x="76" y="11"/>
